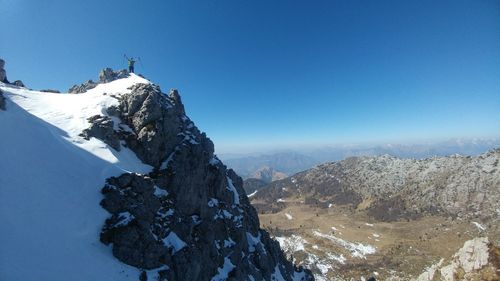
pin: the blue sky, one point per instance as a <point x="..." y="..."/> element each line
<point x="260" y="74"/>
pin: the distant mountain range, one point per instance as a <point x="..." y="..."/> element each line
<point x="293" y="161"/>
<point x="284" y="162"/>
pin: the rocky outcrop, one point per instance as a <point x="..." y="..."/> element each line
<point x="106" y="75"/>
<point x="476" y="260"/>
<point x="102" y="127"/>
<point x="134" y="226"/>
<point x="3" y="76"/>
<point x="390" y="188"/>
<point x="82" y="88"/>
<point x="3" y="73"/>
<point x="189" y="219"/>
<point x="50" y="91"/>
<point x="2" y="101"/>
<point x="159" y="124"/>
<point x="18" y="83"/>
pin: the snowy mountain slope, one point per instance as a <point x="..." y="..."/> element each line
<point x="49" y="186"/>
<point x="184" y="216"/>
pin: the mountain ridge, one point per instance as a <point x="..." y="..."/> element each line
<point x="297" y="160"/>
<point x="181" y="216"/>
<point x="388" y="217"/>
<point x="382" y="177"/>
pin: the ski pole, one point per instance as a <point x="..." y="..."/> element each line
<point x="140" y="61"/>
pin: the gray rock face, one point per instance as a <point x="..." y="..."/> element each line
<point x="106" y="75"/>
<point x="190" y="218"/>
<point x="102" y="128"/>
<point x="2" y="101"/>
<point x="159" y="124"/>
<point x="3" y="76"/>
<point x="3" y="73"/>
<point x="82" y="88"/>
<point x="131" y="200"/>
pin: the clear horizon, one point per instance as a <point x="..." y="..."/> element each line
<point x="260" y="75"/>
<point x="245" y="150"/>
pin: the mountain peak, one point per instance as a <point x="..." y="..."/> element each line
<point x="173" y="208"/>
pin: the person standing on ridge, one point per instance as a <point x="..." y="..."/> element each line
<point x="131" y="63"/>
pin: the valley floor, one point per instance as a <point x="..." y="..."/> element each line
<point x="339" y="243"/>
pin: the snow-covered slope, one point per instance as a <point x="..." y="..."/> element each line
<point x="50" y="180"/>
<point x="74" y="207"/>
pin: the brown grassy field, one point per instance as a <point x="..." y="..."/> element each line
<point x="403" y="249"/>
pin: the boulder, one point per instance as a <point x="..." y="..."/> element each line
<point x="18" y="83"/>
<point x="102" y="127"/>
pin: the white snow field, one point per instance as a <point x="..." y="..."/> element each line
<point x="50" y="182"/>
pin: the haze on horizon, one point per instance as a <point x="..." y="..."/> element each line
<point x="259" y="75"/>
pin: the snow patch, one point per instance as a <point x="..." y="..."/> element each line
<point x="338" y="258"/>
<point x="223" y="272"/>
<point x="124" y="219"/>
<point x="229" y="243"/>
<point x="479" y="226"/>
<point x="214" y="161"/>
<point x="254" y="241"/>
<point x="213" y="202"/>
<point x="292" y="244"/>
<point x="299" y="276"/>
<point x="159" y="192"/>
<point x="173" y="241"/>
<point x="252" y="194"/>
<point x="277" y="276"/>
<point x="358" y="250"/>
<point x="230" y="187"/>
<point x="169" y="159"/>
